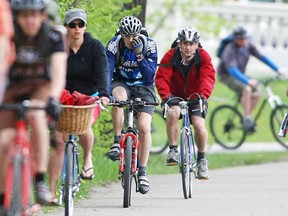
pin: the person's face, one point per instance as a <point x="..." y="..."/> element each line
<point x="30" y="21"/>
<point x="76" y="29"/>
<point x="241" y="42"/>
<point x="187" y="48"/>
<point x="128" y="40"/>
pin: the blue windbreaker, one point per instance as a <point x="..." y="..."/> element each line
<point x="124" y="66"/>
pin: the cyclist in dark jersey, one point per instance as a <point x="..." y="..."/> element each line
<point x="38" y="74"/>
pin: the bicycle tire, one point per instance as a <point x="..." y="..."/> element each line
<point x="158" y="133"/>
<point x="127" y="177"/>
<point x="276" y="118"/>
<point x="226" y="127"/>
<point x="68" y="187"/>
<point x="185" y="163"/>
<point x="16" y="200"/>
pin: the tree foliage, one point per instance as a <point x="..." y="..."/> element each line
<point x="103" y="16"/>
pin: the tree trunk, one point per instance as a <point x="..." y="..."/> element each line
<point x="135" y="3"/>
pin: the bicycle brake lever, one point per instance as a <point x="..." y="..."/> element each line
<point x="201" y="105"/>
<point x="166" y="107"/>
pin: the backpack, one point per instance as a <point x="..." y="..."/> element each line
<point x="223" y="43"/>
<point x="120" y="44"/>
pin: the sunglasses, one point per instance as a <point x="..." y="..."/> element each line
<point x="73" y="25"/>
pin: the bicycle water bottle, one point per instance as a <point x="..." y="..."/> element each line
<point x="283" y="127"/>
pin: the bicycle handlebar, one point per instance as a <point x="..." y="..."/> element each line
<point x="22" y="107"/>
<point x="132" y="102"/>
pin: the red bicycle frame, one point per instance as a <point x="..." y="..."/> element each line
<point x="21" y="147"/>
<point x="122" y="152"/>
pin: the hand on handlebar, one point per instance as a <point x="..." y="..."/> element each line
<point x="253" y="83"/>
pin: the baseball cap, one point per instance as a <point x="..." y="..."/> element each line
<point x="74" y="14"/>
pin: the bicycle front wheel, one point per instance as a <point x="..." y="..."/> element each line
<point x="185" y="164"/>
<point x="127" y="177"/>
<point x="16" y="199"/>
<point x="68" y="187"/>
<point x="276" y="118"/>
<point x="226" y="127"/>
<point x="158" y="132"/>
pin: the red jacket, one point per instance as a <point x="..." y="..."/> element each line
<point x="169" y="79"/>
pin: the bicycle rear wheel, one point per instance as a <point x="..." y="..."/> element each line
<point x="276" y="118"/>
<point x="16" y="199"/>
<point x="68" y="187"/>
<point x="158" y="132"/>
<point x="127" y="177"/>
<point x="185" y="160"/>
<point x="226" y="127"/>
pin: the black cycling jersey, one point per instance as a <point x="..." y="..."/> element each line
<point x="33" y="54"/>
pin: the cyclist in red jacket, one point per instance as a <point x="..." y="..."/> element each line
<point x="186" y="69"/>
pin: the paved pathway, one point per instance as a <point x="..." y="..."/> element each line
<point x="258" y="190"/>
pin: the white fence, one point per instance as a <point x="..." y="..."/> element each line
<point x="267" y="24"/>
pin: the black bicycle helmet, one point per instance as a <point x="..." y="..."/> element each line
<point x="28" y="4"/>
<point x="239" y="32"/>
<point x="189" y="34"/>
<point x="130" y="25"/>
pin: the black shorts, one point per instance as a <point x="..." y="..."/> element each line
<point x="146" y="93"/>
<point x="194" y="109"/>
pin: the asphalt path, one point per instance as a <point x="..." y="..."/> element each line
<point x="256" y="190"/>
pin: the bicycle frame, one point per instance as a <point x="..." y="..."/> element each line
<point x="186" y="126"/>
<point x="20" y="158"/>
<point x="22" y="147"/>
<point x="76" y="179"/>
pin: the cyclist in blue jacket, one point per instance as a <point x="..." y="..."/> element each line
<point x="132" y="61"/>
<point x="231" y="71"/>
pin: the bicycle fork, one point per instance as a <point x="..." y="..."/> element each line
<point x="122" y="154"/>
<point x="76" y="178"/>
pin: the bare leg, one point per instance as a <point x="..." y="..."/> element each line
<point x="172" y="126"/>
<point x="86" y="141"/>
<point x="145" y="140"/>
<point x="55" y="163"/>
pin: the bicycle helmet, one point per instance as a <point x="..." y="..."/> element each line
<point x="130" y="25"/>
<point x="239" y="32"/>
<point x="189" y="34"/>
<point x="28" y="4"/>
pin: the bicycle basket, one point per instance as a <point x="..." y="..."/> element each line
<point x="75" y="120"/>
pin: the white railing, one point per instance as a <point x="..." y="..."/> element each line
<point x="267" y="24"/>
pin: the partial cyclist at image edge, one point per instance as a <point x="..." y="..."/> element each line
<point x="231" y="71"/>
<point x="133" y="76"/>
<point x="38" y="75"/>
<point x="184" y="71"/>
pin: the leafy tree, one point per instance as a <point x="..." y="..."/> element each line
<point x="103" y="16"/>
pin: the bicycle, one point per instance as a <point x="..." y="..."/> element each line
<point x="226" y="120"/>
<point x="74" y="120"/>
<point x="129" y="147"/>
<point x="20" y="172"/>
<point x="188" y="161"/>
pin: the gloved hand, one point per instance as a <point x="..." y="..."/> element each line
<point x="53" y="108"/>
<point x="165" y="101"/>
<point x="137" y="46"/>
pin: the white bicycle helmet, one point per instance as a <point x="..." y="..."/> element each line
<point x="130" y="25"/>
<point x="189" y="34"/>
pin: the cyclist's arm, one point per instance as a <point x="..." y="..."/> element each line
<point x="164" y="74"/>
<point x="58" y="64"/>
<point x="147" y="65"/>
<point x="269" y="62"/>
<point x="237" y="74"/>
